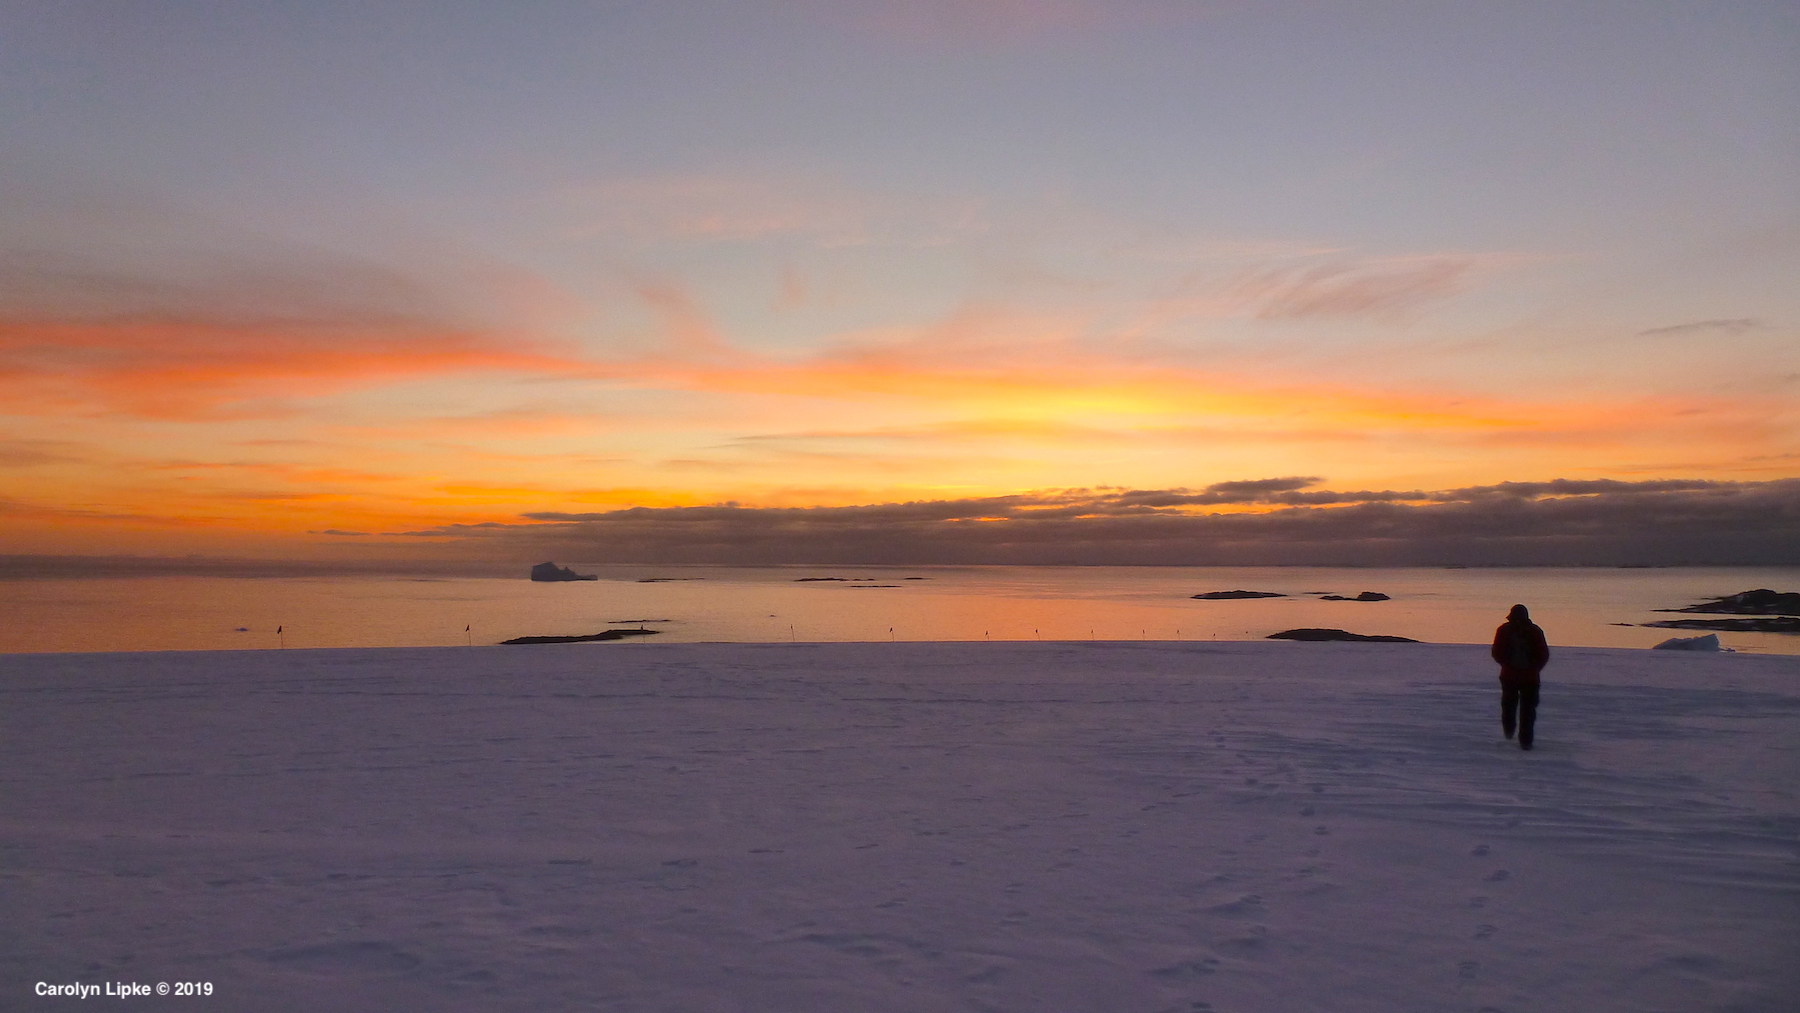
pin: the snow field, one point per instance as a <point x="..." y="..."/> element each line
<point x="1112" y="827"/>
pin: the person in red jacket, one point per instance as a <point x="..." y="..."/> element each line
<point x="1522" y="653"/>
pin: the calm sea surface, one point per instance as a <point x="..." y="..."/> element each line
<point x="1576" y="607"/>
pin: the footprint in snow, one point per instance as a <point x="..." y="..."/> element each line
<point x="1247" y="904"/>
<point x="1480" y="849"/>
<point x="992" y="972"/>
<point x="1191" y="969"/>
<point x="1484" y="931"/>
<point x="1467" y="969"/>
<point x="479" y="976"/>
<point x="1308" y="811"/>
<point x="1497" y="876"/>
<point x="354" y="957"/>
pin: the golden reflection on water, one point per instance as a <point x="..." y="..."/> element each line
<point x="1575" y="606"/>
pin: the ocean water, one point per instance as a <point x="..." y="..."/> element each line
<point x="1576" y="606"/>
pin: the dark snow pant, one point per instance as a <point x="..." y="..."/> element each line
<point x="1520" y="703"/>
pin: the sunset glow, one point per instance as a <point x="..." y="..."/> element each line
<point x="294" y="297"/>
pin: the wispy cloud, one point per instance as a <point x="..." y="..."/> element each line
<point x="535" y="422"/>
<point x="998" y="22"/>
<point x="971" y="430"/>
<point x="189" y="369"/>
<point x="1339" y="288"/>
<point x="1736" y="325"/>
<point x="1059" y="382"/>
<point x="463" y="411"/>
<point x="300" y="474"/>
<point x="206" y="340"/>
<point x="31" y="453"/>
<point x="723" y="208"/>
<point x="152" y="313"/>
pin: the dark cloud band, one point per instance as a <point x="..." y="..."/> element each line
<point x="1526" y="523"/>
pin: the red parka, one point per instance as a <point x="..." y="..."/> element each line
<point x="1522" y="652"/>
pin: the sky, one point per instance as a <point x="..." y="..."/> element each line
<point x="988" y="280"/>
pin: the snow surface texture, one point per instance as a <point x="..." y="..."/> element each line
<point x="1118" y="828"/>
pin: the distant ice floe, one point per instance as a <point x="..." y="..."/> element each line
<point x="1709" y="642"/>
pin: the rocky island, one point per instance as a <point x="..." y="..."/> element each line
<point x="602" y="635"/>
<point x="1760" y="602"/>
<point x="1217" y="595"/>
<point x="549" y="571"/>
<point x="1758" y="624"/>
<point x="1315" y="636"/>
<point x="1365" y="596"/>
<point x="1765" y="611"/>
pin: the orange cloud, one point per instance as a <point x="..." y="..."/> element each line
<point x="504" y="424"/>
<point x="981" y="402"/>
<point x="1029" y="430"/>
<point x="686" y="329"/>
<point x="1039" y="378"/>
<point x="301" y="473"/>
<point x="191" y="370"/>
<point x="1077" y="387"/>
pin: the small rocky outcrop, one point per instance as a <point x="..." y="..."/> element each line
<point x="602" y="635"/>
<point x="1766" y="624"/>
<point x="551" y="572"/>
<point x="1365" y="596"/>
<point x="1215" y="595"/>
<point x="1760" y="602"/>
<point x="1314" y="636"/>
